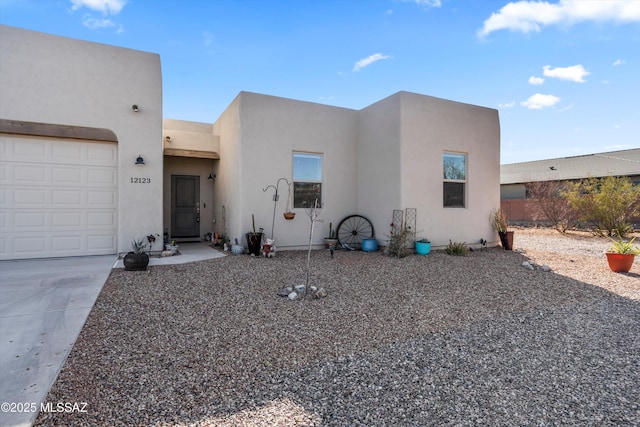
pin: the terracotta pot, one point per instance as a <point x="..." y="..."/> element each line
<point x="620" y="263"/>
<point x="289" y="215"/>
<point x="506" y="239"/>
<point x="136" y="262"/>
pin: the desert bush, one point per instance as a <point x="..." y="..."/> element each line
<point x="606" y="204"/>
<point x="456" y="248"/>
<point x="551" y="205"/>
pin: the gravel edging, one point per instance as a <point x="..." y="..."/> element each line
<point x="440" y="340"/>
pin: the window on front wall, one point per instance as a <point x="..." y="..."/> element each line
<point x="307" y="180"/>
<point x="454" y="168"/>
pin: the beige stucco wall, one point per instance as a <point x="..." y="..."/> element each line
<point x="57" y="80"/>
<point x="387" y="156"/>
<point x="187" y="135"/>
<point x="431" y="126"/>
<point x="258" y="135"/>
<point x="380" y="164"/>
<point x="401" y="144"/>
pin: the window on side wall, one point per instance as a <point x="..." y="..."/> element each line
<point x="307" y="180"/>
<point x="454" y="168"/>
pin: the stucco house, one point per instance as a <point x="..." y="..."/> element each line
<point x="88" y="163"/>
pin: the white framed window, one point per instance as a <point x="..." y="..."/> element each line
<point x="454" y="185"/>
<point x="307" y="179"/>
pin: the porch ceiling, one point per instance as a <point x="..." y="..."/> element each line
<point x="177" y="152"/>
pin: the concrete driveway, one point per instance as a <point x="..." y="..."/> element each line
<point x="43" y="306"/>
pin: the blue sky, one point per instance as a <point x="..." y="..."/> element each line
<point x="565" y="75"/>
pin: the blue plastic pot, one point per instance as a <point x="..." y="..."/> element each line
<point x="423" y="248"/>
<point x="369" y="245"/>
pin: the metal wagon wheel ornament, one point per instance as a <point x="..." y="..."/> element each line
<point x="353" y="230"/>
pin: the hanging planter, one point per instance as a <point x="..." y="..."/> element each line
<point x="288" y="215"/>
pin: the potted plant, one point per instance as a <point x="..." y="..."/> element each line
<point x="331" y="241"/>
<point x="499" y="222"/>
<point x="138" y="259"/>
<point x="423" y="246"/>
<point x="172" y="247"/>
<point x="621" y="255"/>
<point x="254" y="239"/>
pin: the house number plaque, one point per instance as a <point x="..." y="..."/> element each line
<point x="141" y="180"/>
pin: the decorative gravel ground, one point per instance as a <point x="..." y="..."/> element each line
<point x="436" y="340"/>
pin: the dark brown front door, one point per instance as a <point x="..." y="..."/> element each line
<point x="185" y="206"/>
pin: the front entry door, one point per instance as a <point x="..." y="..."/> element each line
<point x="185" y="206"/>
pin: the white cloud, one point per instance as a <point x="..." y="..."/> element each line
<point x="535" y="80"/>
<point x="428" y="4"/>
<point x="507" y="105"/>
<point x="540" y="101"/>
<point x="529" y="16"/>
<point x="365" y="62"/>
<point x="107" y="7"/>
<point x="94" y="24"/>
<point x="574" y="73"/>
<point x="619" y="62"/>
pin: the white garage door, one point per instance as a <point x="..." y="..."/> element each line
<point x="57" y="197"/>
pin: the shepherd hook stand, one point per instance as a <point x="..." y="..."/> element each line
<point x="275" y="200"/>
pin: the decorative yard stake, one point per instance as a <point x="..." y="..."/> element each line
<point x="313" y="214"/>
<point x="275" y="200"/>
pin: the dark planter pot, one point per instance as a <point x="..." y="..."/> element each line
<point x="254" y="243"/>
<point x="328" y="243"/>
<point x="620" y="263"/>
<point x="136" y="262"/>
<point x="506" y="239"/>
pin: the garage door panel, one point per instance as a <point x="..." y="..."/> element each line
<point x="28" y="175"/>
<point x="66" y="243"/>
<point x="58" y="198"/>
<point x="101" y="177"/>
<point x="29" y="220"/>
<point x="66" y="219"/>
<point x="66" y="175"/>
<point x="66" y="198"/>
<point x="27" y="149"/>
<point x="28" y="197"/>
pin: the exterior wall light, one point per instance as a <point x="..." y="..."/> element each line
<point x="167" y="138"/>
<point x="139" y="160"/>
<point x="135" y="108"/>
<point x="212" y="176"/>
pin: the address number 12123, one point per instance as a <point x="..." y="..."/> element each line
<point x="141" y="180"/>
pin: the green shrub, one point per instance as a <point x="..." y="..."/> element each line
<point x="606" y="204"/>
<point x="456" y="248"/>
<point x="400" y="243"/>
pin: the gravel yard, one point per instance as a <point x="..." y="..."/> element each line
<point x="419" y="341"/>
